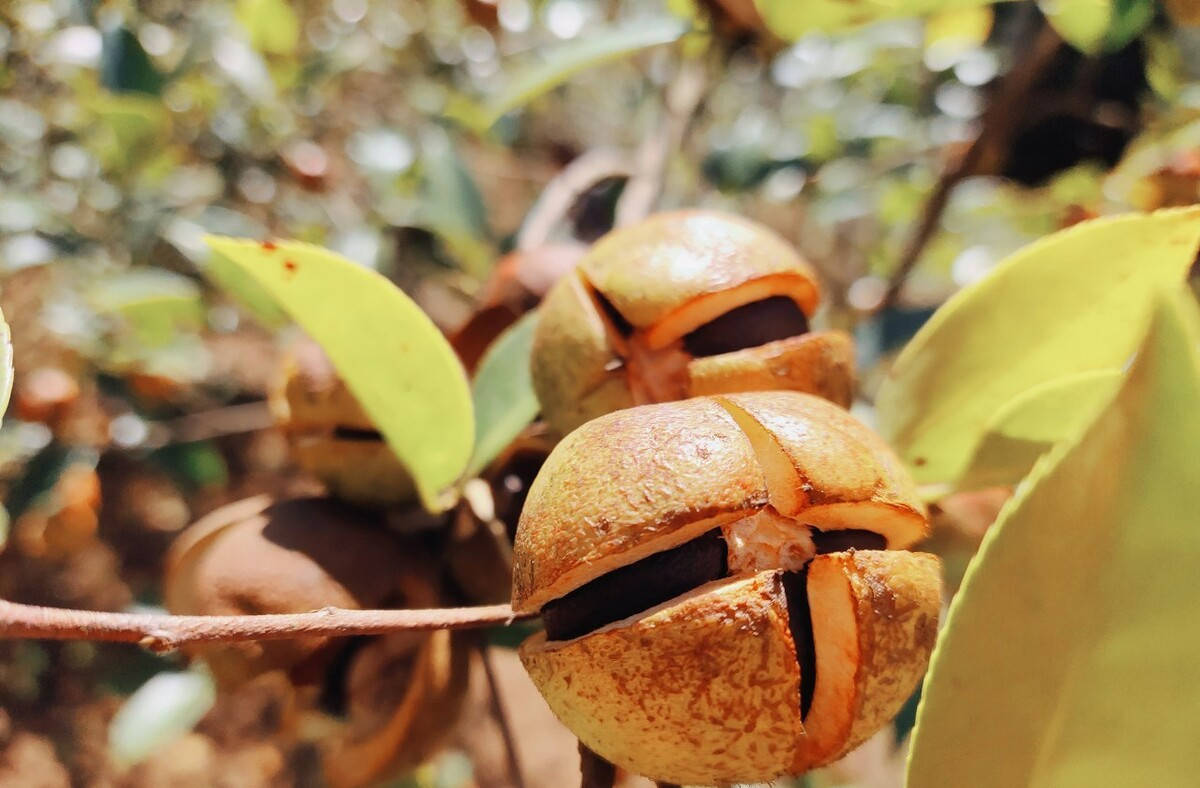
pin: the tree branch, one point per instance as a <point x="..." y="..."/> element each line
<point x="162" y="633"/>
<point x="997" y="127"/>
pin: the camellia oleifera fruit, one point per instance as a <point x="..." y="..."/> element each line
<point x="680" y="305"/>
<point x="330" y="434"/>
<point x="385" y="703"/>
<point x="725" y="588"/>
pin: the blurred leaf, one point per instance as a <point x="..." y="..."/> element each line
<point x="1033" y="421"/>
<point x="391" y="355"/>
<point x="1165" y="68"/>
<point x="1129" y="19"/>
<point x="6" y="367"/>
<point x="195" y="465"/>
<point x="130" y="127"/>
<point x="124" y="65"/>
<point x="790" y="20"/>
<point x="1071" y="302"/>
<point x="41" y="472"/>
<point x="160" y="711"/>
<point x="1068" y="657"/>
<point x="503" y="392"/>
<point x="156" y="303"/>
<point x="1081" y="23"/>
<point x="271" y="24"/>
<point x="959" y="29"/>
<point x="452" y="207"/>
<point x="5" y="526"/>
<point x="560" y="63"/>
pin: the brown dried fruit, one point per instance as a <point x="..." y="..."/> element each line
<point x="394" y="698"/>
<point x="683" y="304"/>
<point x="699" y="630"/>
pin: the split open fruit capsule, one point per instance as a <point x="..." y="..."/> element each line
<point x="332" y="437"/>
<point x="725" y="588"/>
<point x="384" y="704"/>
<point x="683" y="304"/>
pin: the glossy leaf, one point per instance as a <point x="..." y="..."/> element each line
<point x="391" y="355"/>
<point x="1068" y="657"/>
<point x="560" y="63"/>
<point x="1071" y="302"/>
<point x="790" y="20"/>
<point x="1033" y="421"/>
<point x="124" y="65"/>
<point x="502" y="391"/>
<point x="160" y="711"/>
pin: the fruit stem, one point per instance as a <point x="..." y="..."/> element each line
<point x="162" y="633"/>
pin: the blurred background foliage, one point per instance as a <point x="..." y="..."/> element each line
<point x="903" y="156"/>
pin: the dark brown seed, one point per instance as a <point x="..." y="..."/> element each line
<point x="750" y="325"/>
<point x="846" y="539"/>
<point x="795" y="588"/>
<point x="353" y="434"/>
<point x="640" y="586"/>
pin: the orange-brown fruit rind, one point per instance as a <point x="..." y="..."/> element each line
<point x="819" y="363"/>
<point x="662" y="267"/>
<point x="705" y="689"/>
<point x="631" y="483"/>
<point x="875" y="619"/>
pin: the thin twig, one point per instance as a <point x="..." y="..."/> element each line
<point x="497" y="706"/>
<point x="594" y="771"/>
<point x="166" y="633"/>
<point x="996" y="129"/>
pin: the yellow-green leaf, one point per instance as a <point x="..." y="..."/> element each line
<point x="505" y="402"/>
<point x="391" y="355"/>
<point x="1035" y="420"/>
<point x="1069" y="656"/>
<point x="790" y="19"/>
<point x="1081" y="23"/>
<point x="271" y="24"/>
<point x="562" y="62"/>
<point x="1071" y="302"/>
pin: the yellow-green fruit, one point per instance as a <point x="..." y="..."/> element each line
<point x="683" y="304"/>
<point x="332" y="437"/>
<point x="725" y="588"/>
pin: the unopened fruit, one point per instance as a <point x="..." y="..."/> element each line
<point x="683" y="304"/>
<point x="725" y="586"/>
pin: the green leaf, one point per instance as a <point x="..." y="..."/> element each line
<point x="271" y="24"/>
<point x="503" y="392"/>
<point x="124" y="65"/>
<point x="160" y="711"/>
<point x="1069" y="656"/>
<point x="6" y="367"/>
<point x="1033" y="421"/>
<point x="560" y="63"/>
<point x="391" y="355"/>
<point x="790" y="20"/>
<point x="1130" y="18"/>
<point x="1069" y="303"/>
<point x="451" y="206"/>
